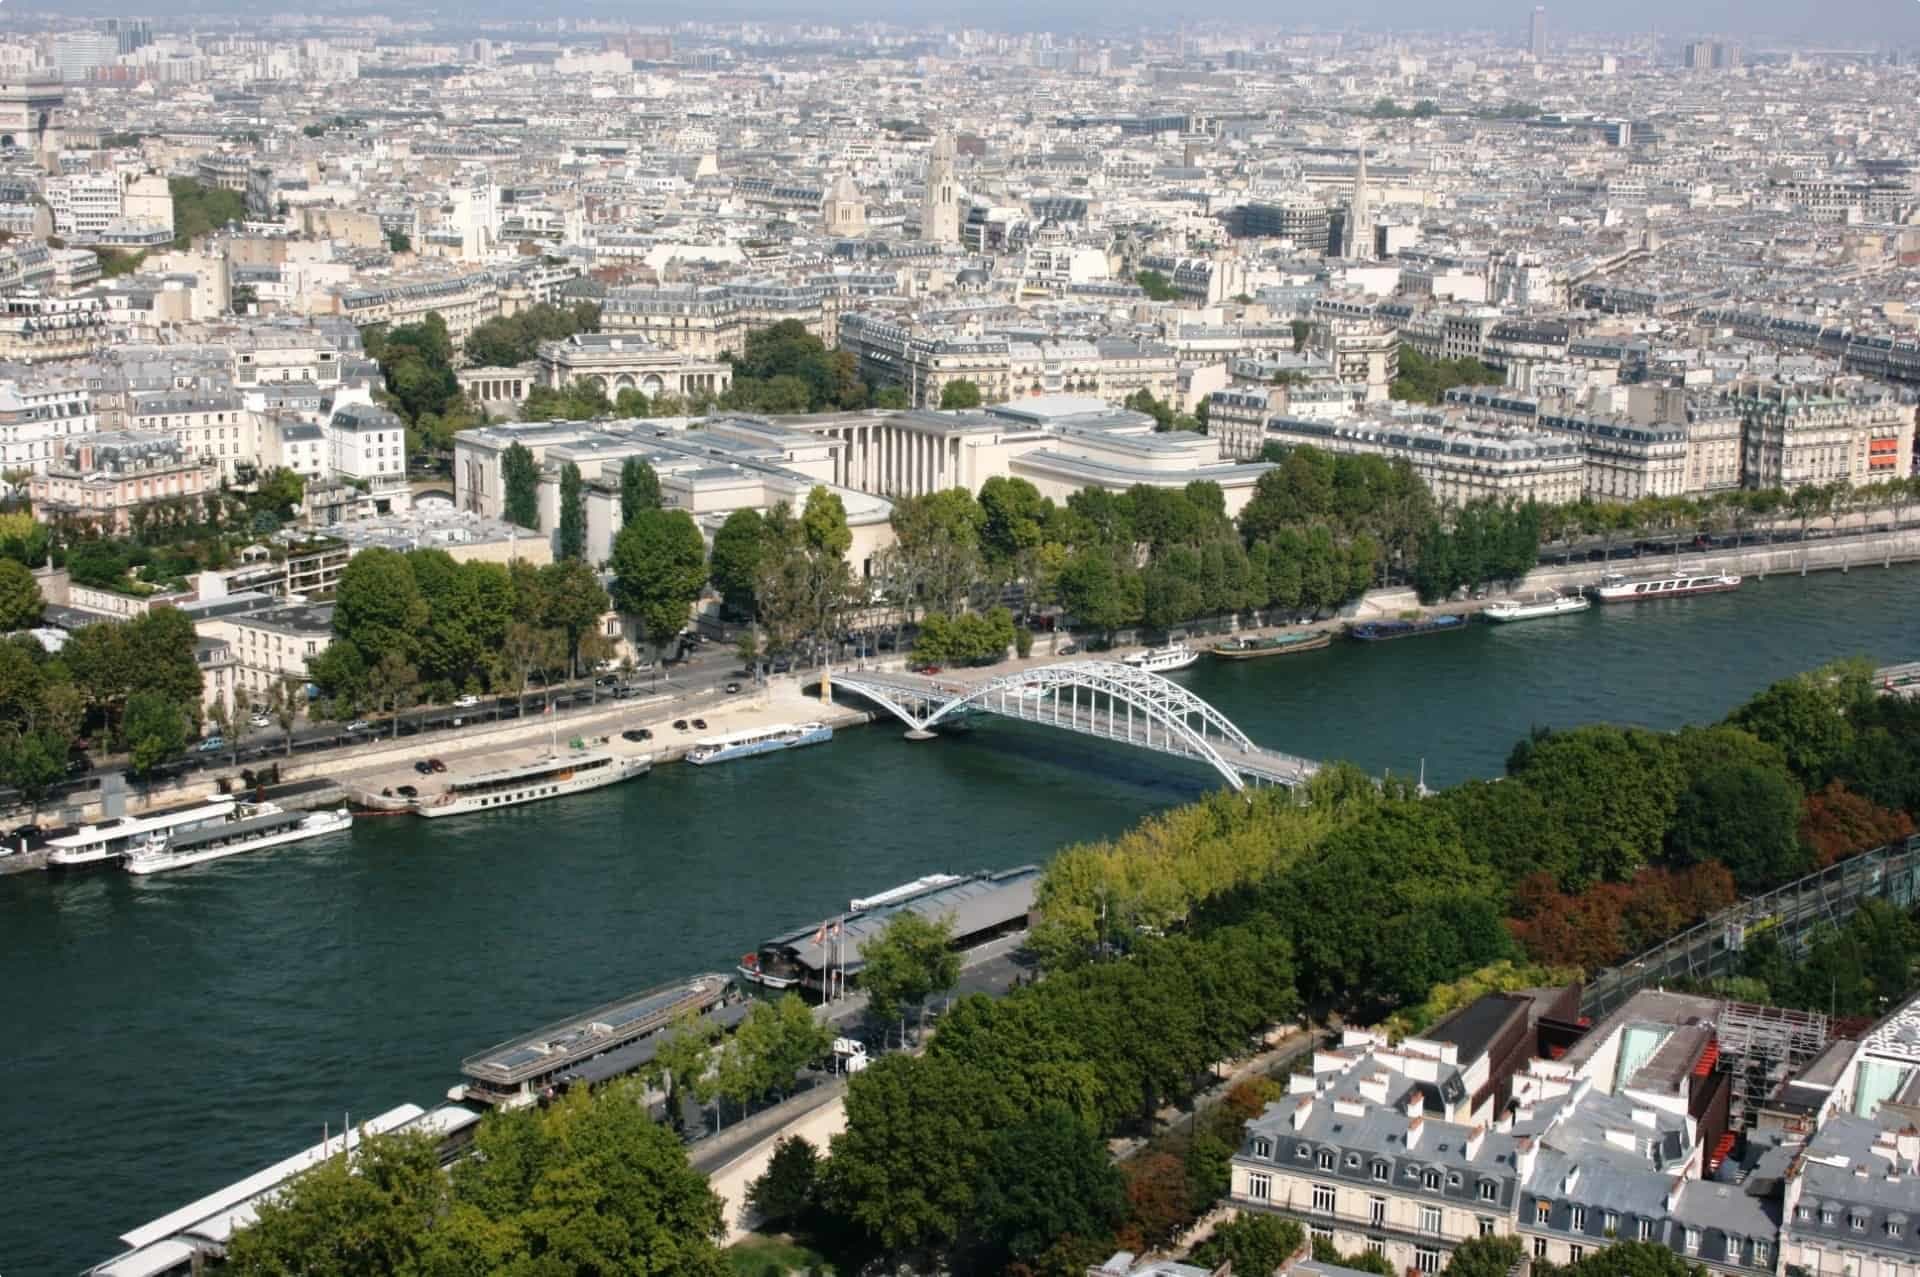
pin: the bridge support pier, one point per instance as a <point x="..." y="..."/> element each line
<point x="921" y="733"/>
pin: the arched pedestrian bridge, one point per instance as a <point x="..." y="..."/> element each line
<point x="1093" y="698"/>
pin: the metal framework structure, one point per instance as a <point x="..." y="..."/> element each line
<point x="1764" y="1046"/>
<point x="1104" y="699"/>
<point x="1791" y="913"/>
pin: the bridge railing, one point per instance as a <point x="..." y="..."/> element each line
<point x="1792" y="911"/>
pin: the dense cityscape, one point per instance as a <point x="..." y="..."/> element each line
<point x="417" y="427"/>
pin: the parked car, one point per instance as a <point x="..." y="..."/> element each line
<point x="926" y="669"/>
<point x="407" y="791"/>
<point x="211" y="745"/>
<point x="466" y="702"/>
<point x="260" y="720"/>
<point x="699" y="724"/>
<point x="359" y="725"/>
<point x="434" y="764"/>
<point x="637" y="734"/>
<point x="78" y="764"/>
<point x="679" y="724"/>
<point x="732" y="688"/>
<point x="607" y="680"/>
<point x="424" y="767"/>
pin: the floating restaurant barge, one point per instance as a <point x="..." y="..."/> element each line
<point x="822" y="959"/>
<point x="619" y="1037"/>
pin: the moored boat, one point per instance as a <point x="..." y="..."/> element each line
<point x="1384" y="631"/>
<point x="1162" y="660"/>
<point x="758" y="740"/>
<point x="1531" y="607"/>
<point x="251" y="827"/>
<point x="106" y="842"/>
<point x="1615" y="588"/>
<point x="1246" y="648"/>
<point x="553" y="776"/>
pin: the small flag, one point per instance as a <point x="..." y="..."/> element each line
<point x="820" y="936"/>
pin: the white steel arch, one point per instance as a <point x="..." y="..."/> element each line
<point x="1136" y="707"/>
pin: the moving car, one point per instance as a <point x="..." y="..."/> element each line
<point x="466" y="702"/>
<point x="358" y="725"/>
<point x="210" y="745"/>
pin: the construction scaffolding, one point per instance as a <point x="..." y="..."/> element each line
<point x="1762" y="1047"/>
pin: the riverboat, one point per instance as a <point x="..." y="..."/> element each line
<point x="250" y="827"/>
<point x="1532" y="607"/>
<point x="1385" y="631"/>
<point x="1162" y="660"/>
<point x="753" y="741"/>
<point x="1615" y="588"/>
<point x="822" y="959"/>
<point x="1246" y="648"/>
<point x="96" y="846"/>
<point x="552" y="776"/>
<point x="618" y="1037"/>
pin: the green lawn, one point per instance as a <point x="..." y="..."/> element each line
<point x="758" y="1256"/>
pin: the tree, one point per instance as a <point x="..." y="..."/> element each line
<point x="1256" y="1244"/>
<point x="393" y="681"/>
<point x="784" y="1192"/>
<point x="960" y="394"/>
<point x="1485" y="1257"/>
<point x="906" y="1167"/>
<point x="571" y="535"/>
<point x="1046" y="1177"/>
<point x="520" y="480"/>
<point x="371" y="1211"/>
<point x="685" y="1052"/>
<point x="20" y="599"/>
<point x="1634" y="1259"/>
<point x="1745" y="817"/>
<point x="909" y="962"/>
<point x="378" y="607"/>
<point x="283" y="702"/>
<point x="155" y="730"/>
<point x="572" y="602"/>
<point x="739" y="548"/>
<point x="639" y="489"/>
<point x="1156" y="286"/>
<point x="1157" y="1196"/>
<point x="660" y="565"/>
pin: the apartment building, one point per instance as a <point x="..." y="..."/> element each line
<point x="1837" y="430"/>
<point x="925" y="362"/>
<point x="464" y="301"/>
<point x="35" y="416"/>
<point x="102" y="478"/>
<point x="1457" y="464"/>
<point x="366" y="441"/>
<point x="1237" y="417"/>
<point x="209" y="425"/>
<point x="35" y="327"/>
<point x="704" y="321"/>
<point x="272" y="647"/>
<point x="1625" y="461"/>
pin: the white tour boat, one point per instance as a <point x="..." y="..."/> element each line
<point x="1618" y="589"/>
<point x="102" y="844"/>
<point x="1161" y="660"/>
<point x="251" y="827"/>
<point x="1530" y="607"/>
<point x="554" y="776"/>
<point x="758" y="740"/>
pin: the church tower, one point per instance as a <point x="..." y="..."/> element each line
<point x="1360" y="215"/>
<point x="940" y="213"/>
<point x="844" y="211"/>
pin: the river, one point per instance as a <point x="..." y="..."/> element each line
<point x="161" y="1037"/>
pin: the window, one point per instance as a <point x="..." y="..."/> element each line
<point x="1646" y="1230"/>
<point x="1300" y="1151"/>
<point x="1858" y="1223"/>
<point x="1762" y="1253"/>
<point x="1377" y="1211"/>
<point x="1489" y="1191"/>
<point x="1326" y="1159"/>
<point x="1893" y="1228"/>
<point x="1826" y="1215"/>
<point x="1578" y="1222"/>
<point x="1432" y="1180"/>
<point x="1574" y="1253"/>
<point x="1323" y="1199"/>
<point x="1430" y="1220"/>
<point x="1261" y="1146"/>
<point x="1539" y="1248"/>
<point x="1484" y="1225"/>
<point x="1542" y="1212"/>
<point x="1693" y="1241"/>
<point x="1380" y="1171"/>
<point x="1453" y="1180"/>
<point x="1376" y="1246"/>
<point x="1353" y="1160"/>
<point x="1426" y="1259"/>
<point x="1260" y="1187"/>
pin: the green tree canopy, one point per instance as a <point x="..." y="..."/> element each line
<point x="960" y="394"/>
<point x="639" y="488"/>
<point x="659" y="565"/>
<point x="1045" y="1177"/>
<point x="739" y="549"/>
<point x="571" y="534"/>
<point x="20" y="599"/>
<point x="520" y="478"/>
